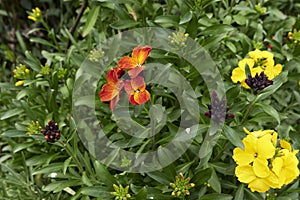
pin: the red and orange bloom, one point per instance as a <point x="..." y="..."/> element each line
<point x="136" y="90"/>
<point x="111" y="90"/>
<point x="135" y="63"/>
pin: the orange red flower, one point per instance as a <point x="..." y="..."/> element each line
<point x="133" y="84"/>
<point x="136" y="90"/>
<point x="111" y="90"/>
<point x="135" y="63"/>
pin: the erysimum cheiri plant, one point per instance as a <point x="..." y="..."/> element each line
<point x="262" y="164"/>
<point x="133" y="83"/>
<point x="255" y="46"/>
<point x="262" y="70"/>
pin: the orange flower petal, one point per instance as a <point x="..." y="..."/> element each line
<point x="128" y="88"/>
<point x="138" y="83"/>
<point x="141" y="97"/>
<point x="135" y="71"/>
<point x="107" y="92"/>
<point x="127" y="62"/>
<point x="114" y="102"/>
<point x="132" y="101"/>
<point x="114" y="74"/>
<point x="140" y="54"/>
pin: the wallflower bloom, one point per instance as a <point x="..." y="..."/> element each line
<point x="263" y="165"/>
<point x="259" y="61"/>
<point x="135" y="63"/>
<point x="111" y="90"/>
<point x="35" y="15"/>
<point x="239" y="73"/>
<point x="136" y="90"/>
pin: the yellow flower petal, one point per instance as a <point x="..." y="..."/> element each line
<point x="273" y="71"/>
<point x="285" y="145"/>
<point x="277" y="165"/>
<point x="241" y="157"/>
<point x="238" y="75"/>
<point x="265" y="147"/>
<point x="245" y="173"/>
<point x="259" y="185"/>
<point x="260" y="168"/>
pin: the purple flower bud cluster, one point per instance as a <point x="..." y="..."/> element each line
<point x="51" y="132"/>
<point x="218" y="109"/>
<point x="258" y="82"/>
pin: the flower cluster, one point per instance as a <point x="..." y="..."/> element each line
<point x="178" y="39"/>
<point x="21" y="72"/>
<point x="264" y="165"/>
<point x="258" y="62"/>
<point x="217" y="111"/>
<point x="33" y="128"/>
<point x="294" y="36"/>
<point x="120" y="192"/>
<point x="96" y="54"/>
<point x="35" y="15"/>
<point x="51" y="132"/>
<point x="131" y="81"/>
<point x="181" y="186"/>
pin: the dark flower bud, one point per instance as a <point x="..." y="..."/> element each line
<point x="51" y="132"/>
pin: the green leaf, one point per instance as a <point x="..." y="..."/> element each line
<point x="232" y="136"/>
<point x="123" y="24"/>
<point x="91" y="20"/>
<point x="12" y="113"/>
<point x="202" y="176"/>
<point x="215" y="182"/>
<point x="20" y="147"/>
<point x="216" y="196"/>
<point x="51" y="168"/>
<point x="186" y="17"/>
<point x="96" y="192"/>
<point x="277" y="82"/>
<point x="103" y="174"/>
<point x="142" y="194"/>
<point x="42" y="41"/>
<point x="239" y="193"/>
<point x="270" y="111"/>
<point x="14" y="133"/>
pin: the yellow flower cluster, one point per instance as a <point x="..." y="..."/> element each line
<point x="35" y="15"/>
<point x="21" y="72"/>
<point x="258" y="61"/>
<point x="120" y="192"/>
<point x="294" y="36"/>
<point x="264" y="165"/>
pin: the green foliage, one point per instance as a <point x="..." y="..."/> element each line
<point x="53" y="50"/>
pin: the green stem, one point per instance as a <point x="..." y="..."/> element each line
<point x="68" y="148"/>
<point x="249" y="108"/>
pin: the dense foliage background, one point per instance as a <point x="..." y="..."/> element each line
<point x="53" y="49"/>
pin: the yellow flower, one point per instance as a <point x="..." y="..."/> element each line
<point x="272" y="72"/>
<point x="261" y="133"/>
<point x="256" y="152"/>
<point x="19" y="83"/>
<point x="239" y="73"/>
<point x="35" y="15"/>
<point x="247" y="175"/>
<point x="262" y="58"/>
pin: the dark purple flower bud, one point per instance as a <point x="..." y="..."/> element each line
<point x="51" y="132"/>
<point x="258" y="82"/>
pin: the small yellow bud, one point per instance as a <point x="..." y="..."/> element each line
<point x="27" y="71"/>
<point x="19" y="83"/>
